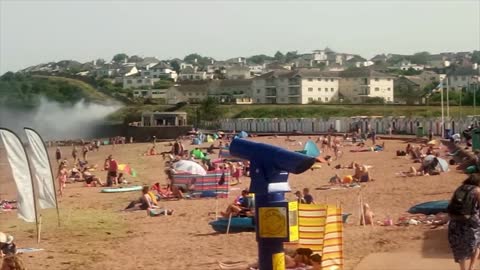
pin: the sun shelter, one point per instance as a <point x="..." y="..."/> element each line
<point x="311" y="149"/>
<point x="213" y="184"/>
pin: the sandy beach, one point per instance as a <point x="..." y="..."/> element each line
<point x="95" y="234"/>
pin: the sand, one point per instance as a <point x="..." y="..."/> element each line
<point x="95" y="234"/>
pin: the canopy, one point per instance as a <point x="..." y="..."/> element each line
<point x="311" y="149"/>
<point x="442" y="163"/>
<point x="189" y="166"/>
<point x="242" y="134"/>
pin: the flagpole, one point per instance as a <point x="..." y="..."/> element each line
<point x="443" y="115"/>
<point x="448" y="101"/>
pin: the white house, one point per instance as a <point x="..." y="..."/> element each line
<point x="133" y="82"/>
<point x="358" y="85"/>
<point x="237" y="72"/>
<point x="301" y="86"/>
<point x="161" y="71"/>
<point x="192" y="74"/>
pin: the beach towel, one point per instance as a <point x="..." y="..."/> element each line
<point x="28" y="250"/>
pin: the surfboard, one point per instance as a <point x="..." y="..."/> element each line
<point x="121" y="189"/>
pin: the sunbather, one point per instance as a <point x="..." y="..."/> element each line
<point x="243" y="206"/>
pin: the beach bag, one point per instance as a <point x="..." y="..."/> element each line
<point x="462" y="202"/>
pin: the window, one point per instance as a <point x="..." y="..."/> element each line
<point x="326" y="89"/>
<point x="139" y="81"/>
<point x="310" y="89"/>
<point x="326" y="99"/>
<point x="377" y="89"/>
<point x="388" y="99"/>
<point x="389" y="79"/>
<point x="147" y="73"/>
<point x="319" y="89"/>
<point x="331" y="89"/>
<point x="389" y="89"/>
<point x="258" y="91"/>
<point x="197" y="94"/>
<point x="319" y="79"/>
<point x="354" y="90"/>
<point x="258" y="100"/>
<point x="376" y="79"/>
<point x="310" y="99"/>
<point x="154" y="76"/>
<point x="189" y="94"/>
<point x="331" y="80"/>
<point x="136" y="92"/>
<point x="310" y="79"/>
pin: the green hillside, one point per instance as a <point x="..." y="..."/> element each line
<point x="19" y="90"/>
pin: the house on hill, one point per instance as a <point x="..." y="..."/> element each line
<point x="161" y="70"/>
<point x="193" y="74"/>
<point x="237" y="72"/>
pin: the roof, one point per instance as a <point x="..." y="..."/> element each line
<point x="229" y="83"/>
<point x="379" y="57"/>
<point x="161" y="65"/>
<point x="302" y="72"/>
<point x="463" y="71"/>
<point x="364" y="72"/>
<point x="417" y="80"/>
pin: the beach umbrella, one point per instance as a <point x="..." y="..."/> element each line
<point x="127" y="169"/>
<point x="442" y="163"/>
<point x="189" y="166"/>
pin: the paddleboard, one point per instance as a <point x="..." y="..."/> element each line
<point x="121" y="189"/>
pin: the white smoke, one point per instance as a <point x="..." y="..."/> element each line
<point x="55" y="121"/>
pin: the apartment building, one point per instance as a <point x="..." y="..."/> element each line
<point x="300" y="86"/>
<point x="360" y="84"/>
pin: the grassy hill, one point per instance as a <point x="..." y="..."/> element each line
<point x="26" y="91"/>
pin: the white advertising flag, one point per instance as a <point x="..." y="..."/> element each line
<point x="42" y="170"/>
<point x="17" y="158"/>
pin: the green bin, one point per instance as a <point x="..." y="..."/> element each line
<point x="476" y="139"/>
<point x="419" y="132"/>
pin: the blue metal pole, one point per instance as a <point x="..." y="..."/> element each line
<point x="267" y="247"/>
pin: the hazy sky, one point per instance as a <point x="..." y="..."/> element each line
<point x="33" y="32"/>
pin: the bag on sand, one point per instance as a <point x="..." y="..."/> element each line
<point x="462" y="202"/>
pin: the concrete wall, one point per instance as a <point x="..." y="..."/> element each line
<point x="142" y="134"/>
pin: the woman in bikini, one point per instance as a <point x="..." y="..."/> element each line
<point x="62" y="177"/>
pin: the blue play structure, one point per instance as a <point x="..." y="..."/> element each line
<point x="269" y="168"/>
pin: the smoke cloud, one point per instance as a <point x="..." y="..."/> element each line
<point x="55" y="121"/>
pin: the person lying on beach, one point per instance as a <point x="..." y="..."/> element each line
<point x="335" y="180"/>
<point x="90" y="178"/>
<point x="411" y="172"/>
<point x="242" y="206"/>
<point x="289" y="140"/>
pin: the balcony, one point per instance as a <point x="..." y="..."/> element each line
<point x="293" y="82"/>
<point x="271" y="93"/>
<point x="294" y="93"/>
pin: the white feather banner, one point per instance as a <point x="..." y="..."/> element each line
<point x="17" y="158"/>
<point x="42" y="170"/>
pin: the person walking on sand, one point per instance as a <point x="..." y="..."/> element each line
<point x="464" y="226"/>
<point x="62" y="178"/>
<point x="74" y="154"/>
<point x="85" y="152"/>
<point x="58" y="155"/>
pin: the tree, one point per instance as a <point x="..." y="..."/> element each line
<point x="420" y="58"/>
<point x="135" y="59"/>
<point x="210" y="110"/>
<point x="259" y="59"/>
<point x="476" y="57"/>
<point x="119" y="58"/>
<point x="192" y="58"/>
<point x="290" y="56"/>
<point x="162" y="84"/>
<point x="176" y="66"/>
<point x="279" y="56"/>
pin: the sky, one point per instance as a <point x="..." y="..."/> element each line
<point x="34" y="32"/>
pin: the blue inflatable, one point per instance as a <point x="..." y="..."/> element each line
<point x="237" y="224"/>
<point x="430" y="208"/>
<point x="242" y="134"/>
